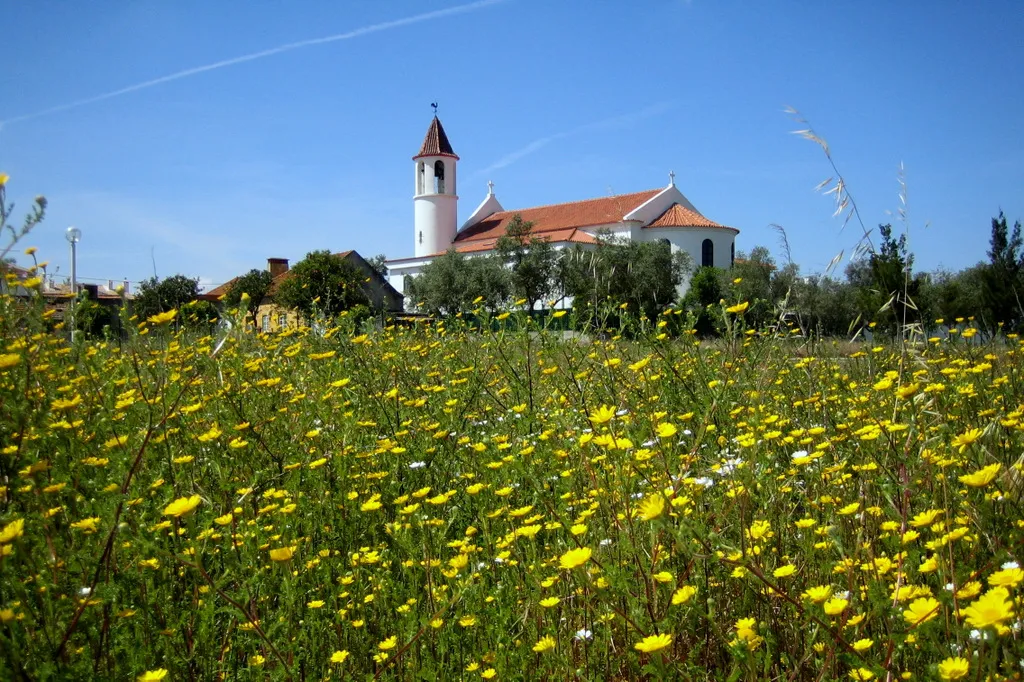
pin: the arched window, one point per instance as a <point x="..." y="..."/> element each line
<point x="439" y="177"/>
<point x="419" y="179"/>
<point x="707" y="254"/>
<point x="732" y="254"/>
<point x="666" y="243"/>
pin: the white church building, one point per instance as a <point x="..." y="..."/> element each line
<point x="652" y="215"/>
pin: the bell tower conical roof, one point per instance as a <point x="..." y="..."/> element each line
<point x="436" y="142"/>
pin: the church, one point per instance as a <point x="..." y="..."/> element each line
<point x="655" y="214"/>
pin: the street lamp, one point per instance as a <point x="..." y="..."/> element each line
<point x="73" y="235"/>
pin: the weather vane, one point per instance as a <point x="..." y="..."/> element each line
<point x="434" y="104"/>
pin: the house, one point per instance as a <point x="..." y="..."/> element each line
<point x="270" y="316"/>
<point x="660" y="214"/>
<point x="57" y="297"/>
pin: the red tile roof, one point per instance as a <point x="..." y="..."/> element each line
<point x="568" y="235"/>
<point x="436" y="142"/>
<point x="680" y="216"/>
<point x="555" y="217"/>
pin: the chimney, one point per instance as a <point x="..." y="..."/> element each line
<point x="277" y="266"/>
<point x="126" y="285"/>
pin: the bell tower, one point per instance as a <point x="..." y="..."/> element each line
<point x="435" y="200"/>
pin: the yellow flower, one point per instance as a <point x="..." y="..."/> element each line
<point x="925" y="518"/>
<point x="739" y="308"/>
<point x="653" y="643"/>
<point x="819" y="593"/>
<point x="339" y="656"/>
<point x="549" y="602"/>
<point x="954" y="668"/>
<point x="992" y="608"/>
<point x="784" y="571"/>
<point x="982" y="477"/>
<point x="224" y="520"/>
<point x="153" y="675"/>
<point x="863" y="644"/>
<point x="13" y="530"/>
<point x="602" y="415"/>
<point x="87" y="525"/>
<point x="8" y="360"/>
<point x="182" y="506"/>
<point x="683" y="595"/>
<point x="964" y="439"/>
<point x="1008" y="577"/>
<point x="4" y="177"/>
<point x="388" y="643"/>
<point x="759" y="529"/>
<point x="652" y="507"/>
<point x="467" y="621"/>
<point x="574" y="558"/>
<point x="490" y="673"/>
<point x="545" y="643"/>
<point x="666" y="430"/>
<point x="163" y="318"/>
<point x="835" y="606"/>
<point x="861" y="675"/>
<point x="283" y="553"/>
<point x="921" y="611"/>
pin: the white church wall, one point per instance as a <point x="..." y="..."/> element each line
<point x="435" y="221"/>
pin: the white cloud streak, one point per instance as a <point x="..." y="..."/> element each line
<point x="611" y="123"/>
<point x="288" y="47"/>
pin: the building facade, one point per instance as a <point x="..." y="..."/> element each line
<point x="661" y="214"/>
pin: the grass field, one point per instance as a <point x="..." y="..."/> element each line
<point x="437" y="504"/>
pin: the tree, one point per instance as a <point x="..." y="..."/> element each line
<point x="158" y="296"/>
<point x="452" y="282"/>
<point x="256" y="283"/>
<point x="643" y="275"/>
<point x="886" y="290"/>
<point x="706" y="290"/>
<point x="322" y="283"/>
<point x="378" y="263"/>
<point x="1003" y="277"/>
<point x="532" y="262"/>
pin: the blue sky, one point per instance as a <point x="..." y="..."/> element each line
<point x="210" y="173"/>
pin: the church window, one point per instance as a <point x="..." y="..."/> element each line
<point x="439" y="177"/>
<point x="282" y="320"/>
<point x="266" y="323"/>
<point x="421" y="236"/>
<point x="707" y="254"/>
<point x="732" y="254"/>
<point x="419" y="179"/>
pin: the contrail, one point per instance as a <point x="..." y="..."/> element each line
<point x="355" y="33"/>
<point x="604" y="124"/>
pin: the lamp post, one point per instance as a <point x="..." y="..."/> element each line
<point x="73" y="235"/>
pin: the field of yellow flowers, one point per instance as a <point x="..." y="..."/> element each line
<point x="438" y="503"/>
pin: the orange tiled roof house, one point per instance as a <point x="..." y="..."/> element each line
<point x="655" y="214"/>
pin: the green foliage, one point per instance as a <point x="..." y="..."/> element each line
<point x="256" y="283"/>
<point x="321" y="283"/>
<point x="707" y="289"/>
<point x="532" y="262"/>
<point x="761" y="283"/>
<point x="1002" y="280"/>
<point x="378" y="263"/>
<point x="160" y="295"/>
<point x="642" y="275"/>
<point x="452" y="283"/>
<point x="886" y="289"/>
<point x="824" y="307"/>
